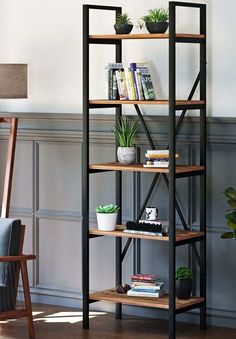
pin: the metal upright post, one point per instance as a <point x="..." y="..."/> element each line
<point x="118" y="191"/>
<point x="172" y="124"/>
<point x="85" y="170"/>
<point x="203" y="163"/>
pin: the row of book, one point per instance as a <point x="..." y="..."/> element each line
<point x="128" y="83"/>
<point x="147" y="227"/>
<point x="146" y="285"/>
<point x="158" y="158"/>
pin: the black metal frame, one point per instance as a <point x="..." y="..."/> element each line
<point x="170" y="180"/>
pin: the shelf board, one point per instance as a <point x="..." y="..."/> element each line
<point x="161" y="303"/>
<point x="182" y="236"/>
<point x="116" y="166"/>
<point x="144" y="36"/>
<point x="180" y="103"/>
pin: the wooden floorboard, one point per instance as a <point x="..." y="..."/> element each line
<point x="60" y="323"/>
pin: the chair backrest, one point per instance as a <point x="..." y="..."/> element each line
<point x="11" y="240"/>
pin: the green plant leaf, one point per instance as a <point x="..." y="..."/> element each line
<point x="231" y="225"/>
<point x="125" y="131"/>
<point x="227" y="235"/>
<point x="183" y="273"/>
<point x="232" y="202"/>
<point x="123" y="19"/>
<point x="230" y="193"/>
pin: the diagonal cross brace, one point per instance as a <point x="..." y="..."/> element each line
<point x="157" y="175"/>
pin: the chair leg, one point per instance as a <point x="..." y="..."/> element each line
<point x="25" y="281"/>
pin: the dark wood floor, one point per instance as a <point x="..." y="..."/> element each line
<point x="66" y="323"/>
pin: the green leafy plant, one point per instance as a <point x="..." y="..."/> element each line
<point x="123" y="19"/>
<point x="183" y="273"/>
<point x="107" y="208"/>
<point x="230" y="215"/>
<point x="154" y="15"/>
<point x="125" y="130"/>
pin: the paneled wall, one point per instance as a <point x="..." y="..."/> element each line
<point x="47" y="197"/>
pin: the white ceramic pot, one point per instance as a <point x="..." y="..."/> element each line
<point x="106" y="221"/>
<point x="126" y="155"/>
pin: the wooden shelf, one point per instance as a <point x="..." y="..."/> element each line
<point x="116" y="166"/>
<point x="145" y="102"/>
<point x="181" y="235"/>
<point x="161" y="303"/>
<point x="143" y="36"/>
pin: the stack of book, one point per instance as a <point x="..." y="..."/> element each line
<point x="128" y="83"/>
<point x="158" y="158"/>
<point x="146" y="285"/>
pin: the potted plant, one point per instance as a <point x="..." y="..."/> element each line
<point x="230" y="215"/>
<point x="123" y="24"/>
<point x="106" y="217"/>
<point x="125" y="130"/>
<point x="183" y="276"/>
<point x="156" y="20"/>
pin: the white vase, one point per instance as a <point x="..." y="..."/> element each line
<point x="106" y="221"/>
<point x="126" y="155"/>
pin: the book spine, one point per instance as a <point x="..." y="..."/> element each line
<point x="110" y="84"/>
<point x="124" y="85"/>
<point x="139" y="85"/>
<point x="132" y="85"/>
<point x="148" y="87"/>
<point x="119" y="85"/>
<point x="133" y="69"/>
<point x="106" y="84"/>
<point x="128" y="84"/>
<point x="114" y="86"/>
<point x="145" y="294"/>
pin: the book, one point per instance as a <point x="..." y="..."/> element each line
<point x="140" y="286"/>
<point x="133" y="70"/>
<point x="121" y="85"/>
<point x="146" y="81"/>
<point x="128" y="80"/>
<point x="160" y="165"/>
<point x="133" y="293"/>
<point x="146" y="283"/>
<point x="110" y="79"/>
<point x="139" y="85"/>
<point x="159" y="156"/>
<point x="145" y="276"/>
<point x="159" y="234"/>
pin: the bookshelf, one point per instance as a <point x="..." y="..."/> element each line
<point x="176" y="236"/>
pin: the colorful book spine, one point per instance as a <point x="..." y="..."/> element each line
<point x="145" y="294"/>
<point x="133" y="69"/>
<point x="128" y="83"/>
<point x="139" y="85"/>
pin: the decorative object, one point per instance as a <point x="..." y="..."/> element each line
<point x="106" y="217"/>
<point x="151" y="213"/>
<point x="123" y="24"/>
<point x="156" y="20"/>
<point x="123" y="289"/>
<point x="183" y="276"/>
<point x="230" y="215"/>
<point x="125" y="130"/>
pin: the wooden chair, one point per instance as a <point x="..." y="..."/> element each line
<point x="12" y="261"/>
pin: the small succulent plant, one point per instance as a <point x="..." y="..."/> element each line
<point x="123" y="19"/>
<point x="183" y="273"/>
<point x="107" y="208"/>
<point x="154" y="15"/>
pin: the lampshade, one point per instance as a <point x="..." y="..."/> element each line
<point x="13" y="81"/>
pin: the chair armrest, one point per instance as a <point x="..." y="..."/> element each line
<point x="18" y="258"/>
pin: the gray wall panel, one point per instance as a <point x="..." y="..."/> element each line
<point x="47" y="197"/>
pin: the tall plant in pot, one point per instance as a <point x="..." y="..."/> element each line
<point x="184" y="277"/>
<point x="106" y="217"/>
<point x="156" y="20"/>
<point x="230" y="215"/>
<point x="125" y="130"/>
<point x="123" y="24"/>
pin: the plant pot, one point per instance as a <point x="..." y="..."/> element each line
<point x="157" y="27"/>
<point x="123" y="29"/>
<point x="183" y="288"/>
<point x="126" y="155"/>
<point x="106" y="221"/>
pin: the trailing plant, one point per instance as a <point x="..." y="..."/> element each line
<point x="123" y="19"/>
<point x="230" y="215"/>
<point x="183" y="273"/>
<point x="154" y="15"/>
<point x="107" y="208"/>
<point x="125" y="130"/>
